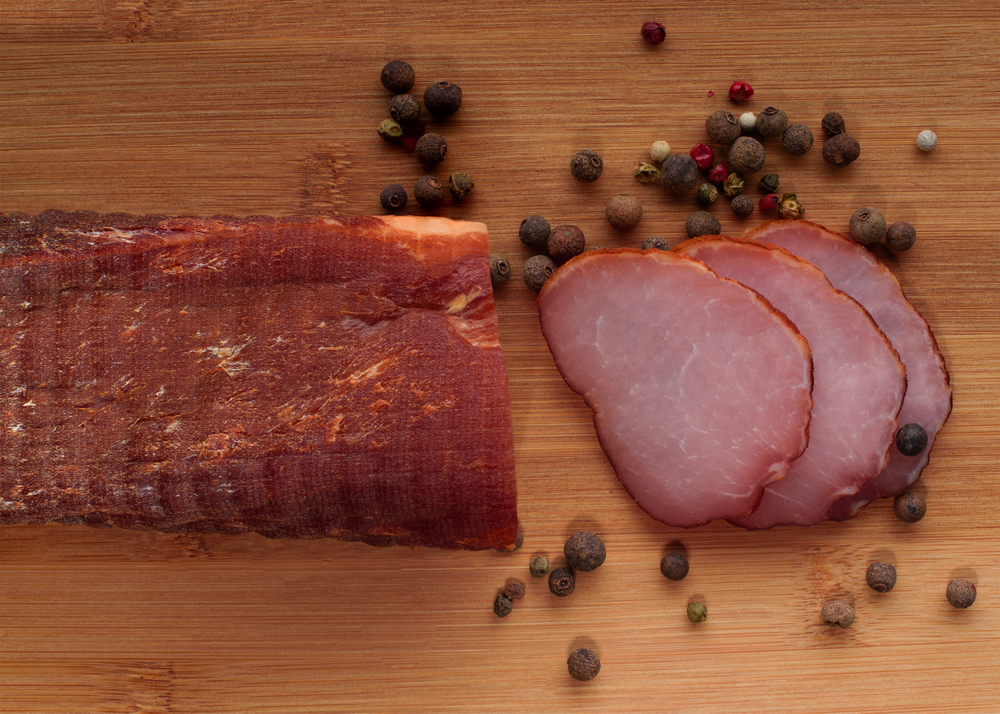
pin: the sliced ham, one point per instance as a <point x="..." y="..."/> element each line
<point x="700" y="389"/>
<point x="858" y="380"/>
<point x="852" y="269"/>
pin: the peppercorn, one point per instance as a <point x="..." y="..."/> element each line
<point x="772" y="122"/>
<point x="680" y="173"/>
<point x="647" y="173"/>
<point x="697" y="612"/>
<point x="393" y="197"/>
<point x="797" y="139"/>
<point x="443" y="98"/>
<point x="404" y="108"/>
<point x="564" y="242"/>
<point x="674" y="566"/>
<point x="867" y="224"/>
<point x="562" y="582"/>
<point x="961" y="593"/>
<point x="833" y="123"/>
<point x="583" y="664"/>
<point x="500" y="270"/>
<point x="748" y="122"/>
<point x="733" y="185"/>
<point x="742" y="205"/>
<point x="838" y="613"/>
<point x="397" y="77"/>
<point x="534" y="232"/>
<point x="881" y="577"/>
<point x="537" y="269"/>
<point x="390" y="130"/>
<point x="703" y="155"/>
<point x="718" y="174"/>
<point x="585" y="551"/>
<point x="431" y="149"/>
<point x="502" y="606"/>
<point x="623" y="211"/>
<point x="722" y="127"/>
<point x="770" y="202"/>
<point x="659" y="151"/>
<point x="790" y="206"/>
<point x="909" y="507"/>
<point x="911" y="439"/>
<point x="654" y="242"/>
<point x="429" y="191"/>
<point x="769" y="183"/>
<point x="900" y="237"/>
<point x="702" y="223"/>
<point x="841" y="149"/>
<point x="740" y="91"/>
<point x="460" y="184"/>
<point x="653" y="32"/>
<point x="586" y="166"/>
<point x="514" y="589"/>
<point x="539" y="566"/>
<point x="707" y="193"/>
<point x="926" y="140"/>
<point x="746" y="156"/>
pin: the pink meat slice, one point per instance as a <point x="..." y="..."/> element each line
<point x="700" y="389"/>
<point x="851" y="268"/>
<point x="858" y="380"/>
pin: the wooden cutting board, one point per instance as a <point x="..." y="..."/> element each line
<point x="176" y="106"/>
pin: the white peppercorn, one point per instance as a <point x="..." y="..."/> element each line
<point x="748" y="122"/>
<point x="659" y="151"/>
<point x="926" y="140"/>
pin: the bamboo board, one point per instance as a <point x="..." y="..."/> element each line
<point x="224" y="106"/>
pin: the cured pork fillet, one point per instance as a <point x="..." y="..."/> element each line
<point x="852" y="269"/>
<point x="858" y="380"/>
<point x="700" y="389"/>
<point x="296" y="377"/>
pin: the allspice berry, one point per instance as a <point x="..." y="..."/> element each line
<point x="680" y="173"/>
<point x="393" y="197"/>
<point x="722" y="127"/>
<point x="900" y="237"/>
<point x="583" y="664"/>
<point x="562" y="582"/>
<point x="500" y="270"/>
<point x="431" y="149"/>
<point x="867" y="225"/>
<point x="909" y="507"/>
<point x="623" y="211"/>
<point x="443" y="98"/>
<point x="797" y="139"/>
<point x="460" y="184"/>
<point x="841" y="149"/>
<point x="585" y="551"/>
<point x="702" y="223"/>
<point x="397" y="76"/>
<point x="911" y="439"/>
<point x="586" y="166"/>
<point x="833" y="123"/>
<point x="772" y="122"/>
<point x="881" y="577"/>
<point x="404" y="108"/>
<point x="534" y="232"/>
<point x="655" y="242"/>
<point x="565" y="242"/>
<point x="746" y="156"/>
<point x="742" y="205"/>
<point x="674" y="566"/>
<point x="837" y="613"/>
<point x="429" y="191"/>
<point x="537" y="269"/>
<point x="961" y="593"/>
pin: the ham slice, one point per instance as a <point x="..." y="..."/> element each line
<point x="858" y="380"/>
<point x="700" y="389"/>
<point x="296" y="377"/>
<point x="852" y="269"/>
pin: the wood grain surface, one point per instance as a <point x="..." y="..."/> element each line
<point x="178" y="106"/>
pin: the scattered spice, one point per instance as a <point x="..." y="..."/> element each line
<point x="911" y="439"/>
<point x="653" y="32"/>
<point x="583" y="664"/>
<point x="534" y="232"/>
<point x="585" y="551"/>
<point x="746" y="155"/>
<point x="718" y="174"/>
<point x="390" y="130"/>
<point x="397" y="76"/>
<point x="742" y="205"/>
<point x="740" y="91"/>
<point x="460" y="184"/>
<point x="429" y="191"/>
<point x="733" y="185"/>
<point x="707" y="194"/>
<point x="867" y="225"/>
<point x="900" y="237"/>
<point x="539" y="566"/>
<point x="655" y="242"/>
<point x="443" y="98"/>
<point x="838" y="613"/>
<point x="797" y="139"/>
<point x="841" y="150"/>
<point x="769" y="202"/>
<point x="647" y="173"/>
<point x="909" y="507"/>
<point x="659" y="151"/>
<point x="881" y="577"/>
<point x="537" y="269"/>
<point x="623" y="211"/>
<point x="674" y="566"/>
<point x="722" y="127"/>
<point x="702" y="223"/>
<point x="514" y="589"/>
<point x="586" y="166"/>
<point x="961" y="593"/>
<point x="697" y="612"/>
<point x="431" y="149"/>
<point x="790" y="206"/>
<point x="500" y="269"/>
<point x="926" y="140"/>
<point x="393" y="197"/>
<point x="748" y="122"/>
<point x="502" y="606"/>
<point x="772" y="122"/>
<point x="680" y="173"/>
<point x="564" y="242"/>
<point x="404" y="108"/>
<point x="562" y="582"/>
<point x="769" y="182"/>
<point x="703" y="155"/>
<point x="833" y="123"/>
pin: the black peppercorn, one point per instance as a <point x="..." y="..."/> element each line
<point x="539" y="566"/>
<point x="674" y="566"/>
<point x="429" y="191"/>
<point x="404" y="108"/>
<point x="534" y="232"/>
<point x="562" y="582"/>
<point x="654" y="242"/>
<point x="460" y="184"/>
<point x="900" y="237"/>
<point x="746" y="156"/>
<point x="443" y="98"/>
<point x="838" y="613"/>
<point x="841" y="149"/>
<point x="697" y="612"/>
<point x="742" y="205"/>
<point x="397" y="77"/>
<point x="909" y="507"/>
<point x="702" y="223"/>
<point x="769" y="183"/>
<point x="584" y="664"/>
<point x="393" y="197"/>
<point x="722" y="127"/>
<point x="586" y="166"/>
<point x="514" y="589"/>
<point x="772" y="122"/>
<point x="911" y="440"/>
<point x="431" y="149"/>
<point x="881" y="577"/>
<point x="500" y="270"/>
<point x="585" y="551"/>
<point x="680" y="173"/>
<point x="961" y="593"/>
<point x="564" y="242"/>
<point x="833" y="123"/>
<point x="797" y="139"/>
<point x="502" y="606"/>
<point x="390" y="130"/>
<point x="868" y="226"/>
<point x="623" y="211"/>
<point x="537" y="269"/>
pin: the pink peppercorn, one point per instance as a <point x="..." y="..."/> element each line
<point x="718" y="174"/>
<point x="770" y="202"/>
<point x="703" y="155"/>
<point x="653" y="32"/>
<point x="740" y="91"/>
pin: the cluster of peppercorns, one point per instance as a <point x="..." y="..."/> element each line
<point x="561" y="243"/>
<point x="441" y="99"/>
<point x="868" y="226"/>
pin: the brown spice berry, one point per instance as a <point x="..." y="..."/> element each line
<point x="586" y="166"/>
<point x="909" y="507"/>
<point x="397" y="77"/>
<point x="500" y="270"/>
<point x="502" y="606"/>
<point x="623" y="211"/>
<point x="961" y="593"/>
<point x="564" y="242"/>
<point x="911" y="439"/>
<point x="680" y="173"/>
<point x="584" y="664"/>
<point x="722" y="127"/>
<point x="746" y="156"/>
<point x="429" y="191"/>
<point x="833" y="123"/>
<point x="585" y="551"/>
<point x="460" y="184"/>
<point x="797" y="139"/>
<point x="431" y="149"/>
<point x="514" y="589"/>
<point x="841" y="149"/>
<point x="900" y="237"/>
<point x="404" y="108"/>
<point x="881" y="577"/>
<point x="838" y="613"/>
<point x="534" y="232"/>
<point x="868" y="226"/>
<point x="562" y="582"/>
<point x="443" y="98"/>
<point x="742" y="205"/>
<point x="702" y="223"/>
<point x="772" y="122"/>
<point x="654" y="242"/>
<point x="674" y="566"/>
<point x="393" y="197"/>
<point x="537" y="269"/>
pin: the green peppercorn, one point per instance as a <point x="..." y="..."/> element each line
<point x="772" y="122"/>
<point x="841" y="150"/>
<point x="443" y="98"/>
<point x="539" y="566"/>
<point x="722" y="127"/>
<point x="867" y="225"/>
<point x="769" y="183"/>
<point x="585" y="551"/>
<point x="586" y="166"/>
<point x="397" y="77"/>
<point x="583" y="664"/>
<point x="514" y="589"/>
<point x="393" y="197"/>
<point x="733" y="185"/>
<point x="900" y="237"/>
<point x="537" y="269"/>
<point x="909" y="507"/>
<point x="881" y="577"/>
<point x="680" y="173"/>
<point x="562" y="582"/>
<point x="647" y="173"/>
<point x="961" y="593"/>
<point x="742" y="205"/>
<point x="790" y="206"/>
<point x="797" y="139"/>
<point x="697" y="612"/>
<point x="674" y="566"/>
<point x="500" y="270"/>
<point x="534" y="232"/>
<point x="833" y="123"/>
<point x="707" y="194"/>
<point x="911" y="440"/>
<point x="746" y="155"/>
<point x="502" y="606"/>
<point x="623" y="211"/>
<point x="404" y="108"/>
<point x="565" y="242"/>
<point x="702" y="223"/>
<point x="460" y="184"/>
<point x="431" y="149"/>
<point x="429" y="191"/>
<point x="390" y="130"/>
<point x="837" y="613"/>
<point x="654" y="242"/>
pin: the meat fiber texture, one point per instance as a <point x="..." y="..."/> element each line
<point x="295" y="377"/>
<point x="855" y="271"/>
<point x="700" y="389"/>
<point x="858" y="380"/>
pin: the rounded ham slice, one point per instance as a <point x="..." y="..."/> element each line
<point x="851" y="268"/>
<point x="858" y="380"/>
<point x="700" y="389"/>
